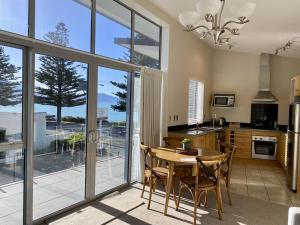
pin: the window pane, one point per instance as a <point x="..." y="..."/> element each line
<point x="59" y="134"/>
<point x="136" y="126"/>
<point x="112" y="127"/>
<point x="14" y="16"/>
<point x="113" y="30"/>
<point x="71" y="19"/>
<point x="146" y="43"/>
<point x="11" y="145"/>
<point x="196" y="100"/>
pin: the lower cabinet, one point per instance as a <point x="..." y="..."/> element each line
<point x="242" y="139"/>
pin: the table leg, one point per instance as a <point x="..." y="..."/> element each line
<point x="220" y="196"/>
<point x="169" y="186"/>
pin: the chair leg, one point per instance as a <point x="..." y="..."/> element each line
<point x="151" y="190"/>
<point x="205" y="199"/>
<point x="228" y="192"/>
<point x="154" y="184"/>
<point x="174" y="194"/>
<point x="179" y="195"/>
<point x="220" y="198"/>
<point x="195" y="195"/>
<point x="144" y="184"/>
<point x="218" y="204"/>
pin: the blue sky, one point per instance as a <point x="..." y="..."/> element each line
<point x="77" y="19"/>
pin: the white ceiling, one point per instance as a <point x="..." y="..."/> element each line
<point x="272" y="25"/>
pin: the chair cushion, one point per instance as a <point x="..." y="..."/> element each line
<point x="203" y="182"/>
<point x="161" y="172"/>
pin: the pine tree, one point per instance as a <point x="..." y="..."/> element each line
<point x="10" y="93"/>
<point x="61" y="86"/>
<point x="122" y="95"/>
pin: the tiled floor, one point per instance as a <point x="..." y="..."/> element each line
<point x="127" y="207"/>
<point x="262" y="179"/>
<point x="259" y="193"/>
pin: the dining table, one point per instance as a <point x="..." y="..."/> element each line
<point x="174" y="158"/>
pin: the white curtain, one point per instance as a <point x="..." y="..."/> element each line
<point x="151" y="102"/>
<point x="152" y="126"/>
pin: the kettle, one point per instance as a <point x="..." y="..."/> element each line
<point x="221" y="121"/>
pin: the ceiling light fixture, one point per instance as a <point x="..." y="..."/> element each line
<point x="207" y="20"/>
<point x="288" y="45"/>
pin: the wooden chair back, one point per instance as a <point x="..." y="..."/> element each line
<point x="173" y="142"/>
<point x="230" y="151"/>
<point x="209" y="168"/>
<point x="148" y="156"/>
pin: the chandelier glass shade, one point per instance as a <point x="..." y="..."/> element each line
<point x="207" y="20"/>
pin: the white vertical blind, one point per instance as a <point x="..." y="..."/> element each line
<point x="196" y="99"/>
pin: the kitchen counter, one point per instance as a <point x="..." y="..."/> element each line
<point x="197" y="132"/>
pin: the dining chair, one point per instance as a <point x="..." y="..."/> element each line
<point x="153" y="173"/>
<point x="225" y="172"/>
<point x="206" y="179"/>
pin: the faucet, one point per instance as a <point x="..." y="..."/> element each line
<point x="197" y="126"/>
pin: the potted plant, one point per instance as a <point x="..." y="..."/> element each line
<point x="186" y="144"/>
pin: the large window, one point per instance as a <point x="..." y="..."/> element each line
<point x="49" y="102"/>
<point x="196" y="99"/>
<point x="59" y="135"/>
<point x="146" y="43"/>
<point x="11" y="136"/>
<point x="14" y="16"/>
<point x="113" y="30"/>
<point x="71" y="19"/>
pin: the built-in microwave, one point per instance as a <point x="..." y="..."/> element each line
<point x="223" y="100"/>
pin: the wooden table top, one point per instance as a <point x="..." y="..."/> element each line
<point x="170" y="155"/>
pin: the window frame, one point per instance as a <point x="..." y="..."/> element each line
<point x="34" y="46"/>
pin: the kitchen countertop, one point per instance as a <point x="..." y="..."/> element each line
<point x="207" y="130"/>
<point x="197" y="132"/>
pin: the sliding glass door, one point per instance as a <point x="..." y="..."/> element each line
<point x="59" y="134"/>
<point x="11" y="135"/>
<point x="113" y="108"/>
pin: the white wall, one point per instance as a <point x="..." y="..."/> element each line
<point x="236" y="73"/>
<point x="282" y="70"/>
<point x="239" y="73"/>
<point x="184" y="56"/>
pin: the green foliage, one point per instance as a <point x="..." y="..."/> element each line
<point x="121" y="94"/>
<point x="61" y="85"/>
<point x="72" y="119"/>
<point x="10" y="94"/>
<point x="186" y="141"/>
<point x="76" y="138"/>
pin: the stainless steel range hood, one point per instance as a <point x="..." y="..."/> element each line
<point x="264" y="94"/>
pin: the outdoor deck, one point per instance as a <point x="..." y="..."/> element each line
<point x="58" y="190"/>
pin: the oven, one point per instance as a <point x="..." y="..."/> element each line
<point x="264" y="147"/>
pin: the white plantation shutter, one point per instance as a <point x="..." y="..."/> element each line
<point x="196" y="99"/>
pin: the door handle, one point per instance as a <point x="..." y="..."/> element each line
<point x="93" y="136"/>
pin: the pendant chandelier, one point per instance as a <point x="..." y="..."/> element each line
<point x="207" y="20"/>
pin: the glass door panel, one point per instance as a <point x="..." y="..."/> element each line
<point x="60" y="134"/>
<point x="11" y="136"/>
<point x="135" y="156"/>
<point x="112" y="127"/>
